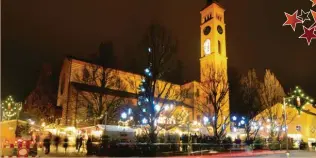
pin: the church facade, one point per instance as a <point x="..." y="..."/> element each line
<point x="82" y="84"/>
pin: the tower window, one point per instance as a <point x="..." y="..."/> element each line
<point x="298" y="128"/>
<point x="219" y="17"/>
<point x="208" y="17"/>
<point x="219" y="47"/>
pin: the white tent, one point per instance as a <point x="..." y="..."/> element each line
<point x="114" y="128"/>
<point x="120" y="133"/>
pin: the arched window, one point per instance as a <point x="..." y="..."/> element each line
<point x="219" y="47"/>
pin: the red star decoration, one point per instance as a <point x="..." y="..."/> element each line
<point x="314" y="2"/>
<point x="308" y="34"/>
<point x="292" y="20"/>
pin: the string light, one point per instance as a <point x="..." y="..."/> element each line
<point x="205" y="119"/>
<point x="144" y="121"/>
<point x="299" y="99"/>
<point x="157" y="108"/>
<point x="234" y="118"/>
<point x="147" y="70"/>
<point x="123" y="115"/>
<point x="10" y="108"/>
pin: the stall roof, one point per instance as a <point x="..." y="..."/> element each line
<point x="113" y="128"/>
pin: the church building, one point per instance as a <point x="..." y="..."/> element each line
<point x="83" y="87"/>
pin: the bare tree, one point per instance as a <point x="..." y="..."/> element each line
<point x="40" y="104"/>
<point x="41" y="113"/>
<point x="249" y="89"/>
<point x="271" y="94"/>
<point x="99" y="79"/>
<point x="215" y="106"/>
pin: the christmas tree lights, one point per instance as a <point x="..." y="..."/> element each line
<point x="298" y="99"/>
<point x="145" y="100"/>
<point x="10" y="109"/>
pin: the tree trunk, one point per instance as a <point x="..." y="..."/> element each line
<point x="152" y="134"/>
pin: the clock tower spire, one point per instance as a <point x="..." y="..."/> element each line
<point x="213" y="38"/>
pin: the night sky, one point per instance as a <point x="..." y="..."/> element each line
<point x="37" y="32"/>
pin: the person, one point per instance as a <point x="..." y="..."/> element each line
<point x="194" y="138"/>
<point x="65" y="144"/>
<point x="89" y="146"/>
<point x="47" y="145"/>
<point x="238" y="142"/>
<point x="185" y="140"/>
<point x="77" y="142"/>
<point x="80" y="143"/>
<point x="57" y="141"/>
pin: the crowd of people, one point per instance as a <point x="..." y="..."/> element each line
<point x="56" y="141"/>
<point x="83" y="144"/>
<point x="46" y="139"/>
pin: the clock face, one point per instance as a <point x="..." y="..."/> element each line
<point x="220" y="29"/>
<point x="207" y="46"/>
<point x="207" y="30"/>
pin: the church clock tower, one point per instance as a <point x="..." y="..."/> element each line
<point x="213" y="38"/>
<point x="213" y="61"/>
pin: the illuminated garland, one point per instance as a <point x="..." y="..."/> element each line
<point x="10" y="108"/>
<point x="298" y="99"/>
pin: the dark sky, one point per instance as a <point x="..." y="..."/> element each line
<point x="35" y="32"/>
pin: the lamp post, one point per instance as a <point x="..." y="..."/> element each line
<point x="105" y="120"/>
<point x="286" y="129"/>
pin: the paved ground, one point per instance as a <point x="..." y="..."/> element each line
<point x="71" y="152"/>
<point x="311" y="154"/>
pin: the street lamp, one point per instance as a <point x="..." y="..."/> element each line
<point x="105" y="121"/>
<point x="286" y="129"/>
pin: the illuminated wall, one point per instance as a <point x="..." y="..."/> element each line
<point x="300" y="126"/>
<point x="74" y="71"/>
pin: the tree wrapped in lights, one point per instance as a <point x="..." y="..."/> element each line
<point x="154" y="93"/>
<point x="10" y="109"/>
<point x="145" y="101"/>
<point x="298" y="99"/>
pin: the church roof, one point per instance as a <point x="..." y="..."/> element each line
<point x="210" y="3"/>
<point x="123" y="71"/>
<point x="108" y="91"/>
<point x="91" y="88"/>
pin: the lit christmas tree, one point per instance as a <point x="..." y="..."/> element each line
<point x="298" y="99"/>
<point x="145" y="94"/>
<point x="10" y="109"/>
